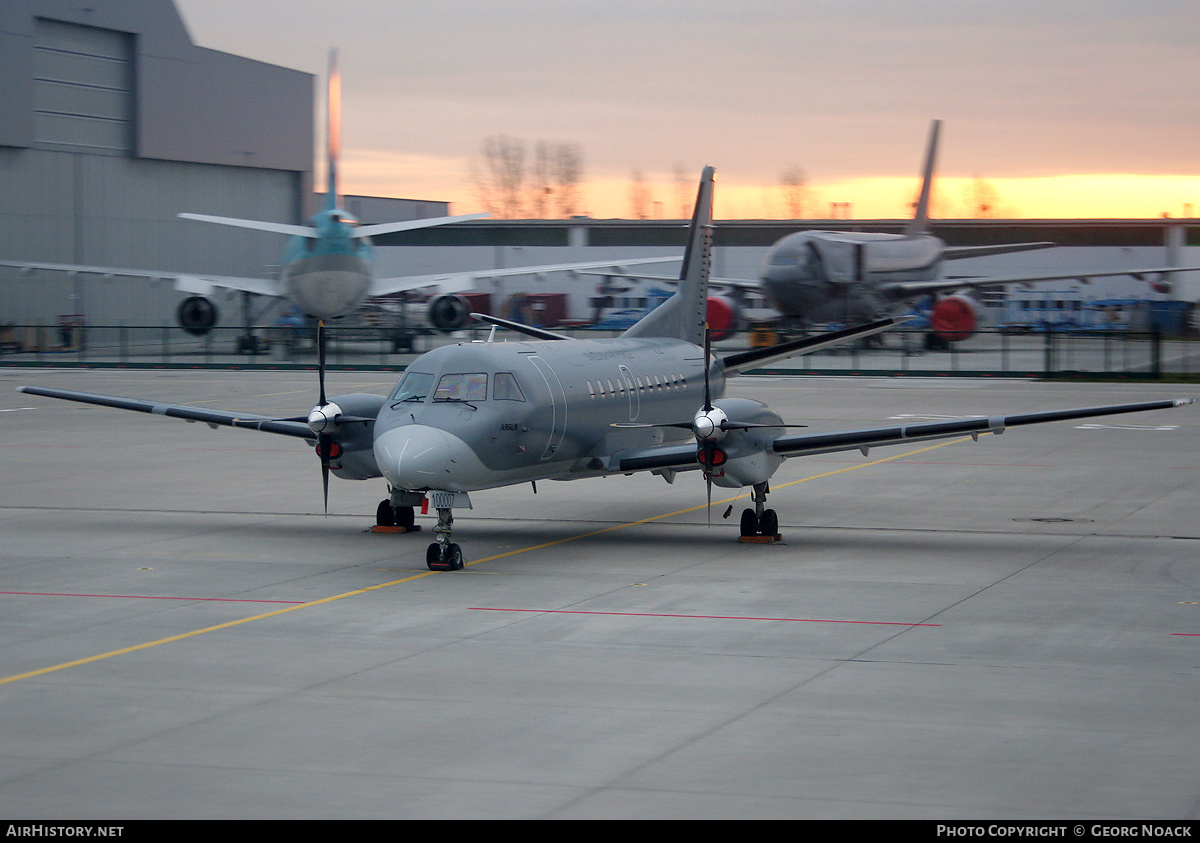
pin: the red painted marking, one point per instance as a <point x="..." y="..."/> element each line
<point x="1193" y="634"/>
<point x="149" y="597"/>
<point x="699" y="617"/>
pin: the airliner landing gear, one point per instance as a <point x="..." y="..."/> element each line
<point x="444" y="555"/>
<point x="760" y="524"/>
<point x="387" y="515"/>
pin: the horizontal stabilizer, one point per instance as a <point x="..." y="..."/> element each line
<point x="410" y="225"/>
<point x="256" y="225"/>
<point x="735" y="364"/>
<point x="528" y="330"/>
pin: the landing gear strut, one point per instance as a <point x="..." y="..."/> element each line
<point x="760" y="524"/>
<point x="444" y="555"/>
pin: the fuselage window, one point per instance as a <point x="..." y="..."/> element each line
<point x="414" y="386"/>
<point x="591" y="389"/>
<point x="462" y="387"/>
<point x="611" y="388"/>
<point x="506" y="388"/>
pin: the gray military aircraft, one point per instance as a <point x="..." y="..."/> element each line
<point x="483" y="415"/>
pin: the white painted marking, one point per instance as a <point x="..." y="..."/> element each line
<point x="17" y="409"/>
<point x="933" y="417"/>
<point x="1127" y="427"/>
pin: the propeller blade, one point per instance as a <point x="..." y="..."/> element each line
<point x="707" y="357"/>
<point x="321" y="359"/>
<point x="325" y="484"/>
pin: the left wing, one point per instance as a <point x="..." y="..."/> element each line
<point x="457" y="282"/>
<point x="201" y="285"/>
<point x="683" y="456"/>
<point x="213" y="418"/>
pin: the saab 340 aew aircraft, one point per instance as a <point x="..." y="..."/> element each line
<point x="482" y="415"/>
<point x="328" y="265"/>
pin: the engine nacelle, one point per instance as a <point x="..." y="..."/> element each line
<point x="745" y="457"/>
<point x="196" y="315"/>
<point x="954" y="318"/>
<point x="449" y="313"/>
<point x="723" y="315"/>
<point x="355" y="458"/>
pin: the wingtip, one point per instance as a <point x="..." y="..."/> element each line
<point x="1183" y="402"/>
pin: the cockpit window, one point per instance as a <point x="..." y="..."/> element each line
<point x="414" y="386"/>
<point x="506" y="388"/>
<point x="465" y="387"/>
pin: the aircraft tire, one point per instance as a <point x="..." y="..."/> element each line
<point x="385" y="516"/>
<point x="749" y="523"/>
<point x="769" y="524"/>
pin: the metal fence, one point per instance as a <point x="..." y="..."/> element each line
<point x="988" y="353"/>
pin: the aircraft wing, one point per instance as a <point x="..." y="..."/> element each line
<point x="683" y="456"/>
<point x="953" y="253"/>
<point x="213" y="418"/>
<point x="457" y="282"/>
<point x="196" y="284"/>
<point x="918" y="288"/>
<point x="731" y="283"/>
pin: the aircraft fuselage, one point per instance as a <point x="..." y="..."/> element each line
<point x="480" y="415"/>
<point x="328" y="275"/>
<point x="827" y="276"/>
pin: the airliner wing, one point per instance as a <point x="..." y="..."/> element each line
<point x="201" y="285"/>
<point x="917" y="288"/>
<point x="457" y="282"/>
<point x="952" y="253"/>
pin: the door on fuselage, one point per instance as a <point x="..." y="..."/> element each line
<point x="557" y="421"/>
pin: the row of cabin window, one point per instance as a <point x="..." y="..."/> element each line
<point x="619" y="387"/>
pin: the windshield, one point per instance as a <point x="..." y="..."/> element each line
<point x="414" y="386"/>
<point x="462" y="387"/>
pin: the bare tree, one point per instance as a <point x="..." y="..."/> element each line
<point x="500" y="179"/>
<point x="793" y="184"/>
<point x="549" y="185"/>
<point x="567" y="170"/>
<point x="981" y="199"/>
<point x="683" y="185"/>
<point x="639" y="196"/>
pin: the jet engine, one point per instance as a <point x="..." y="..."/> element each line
<point x="723" y="315"/>
<point x="196" y="315"/>
<point x="449" y="313"/>
<point x="954" y="318"/>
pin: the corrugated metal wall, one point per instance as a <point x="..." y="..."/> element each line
<point x="83" y="88"/>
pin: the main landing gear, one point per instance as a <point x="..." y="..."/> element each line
<point x="397" y="518"/>
<point x="760" y="524"/>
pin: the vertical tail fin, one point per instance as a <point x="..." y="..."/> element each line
<point x="682" y="316"/>
<point x="920" y="221"/>
<point x="334" y="130"/>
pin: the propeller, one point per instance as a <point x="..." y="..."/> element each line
<point x="709" y="426"/>
<point x="323" y="419"/>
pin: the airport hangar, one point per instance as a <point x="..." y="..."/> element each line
<point x="114" y="122"/>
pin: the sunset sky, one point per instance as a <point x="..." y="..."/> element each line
<point x="1063" y="108"/>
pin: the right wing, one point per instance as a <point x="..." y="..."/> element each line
<point x="682" y="457"/>
<point x="213" y="418"/>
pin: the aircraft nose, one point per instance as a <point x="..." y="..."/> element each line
<point x="414" y="457"/>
